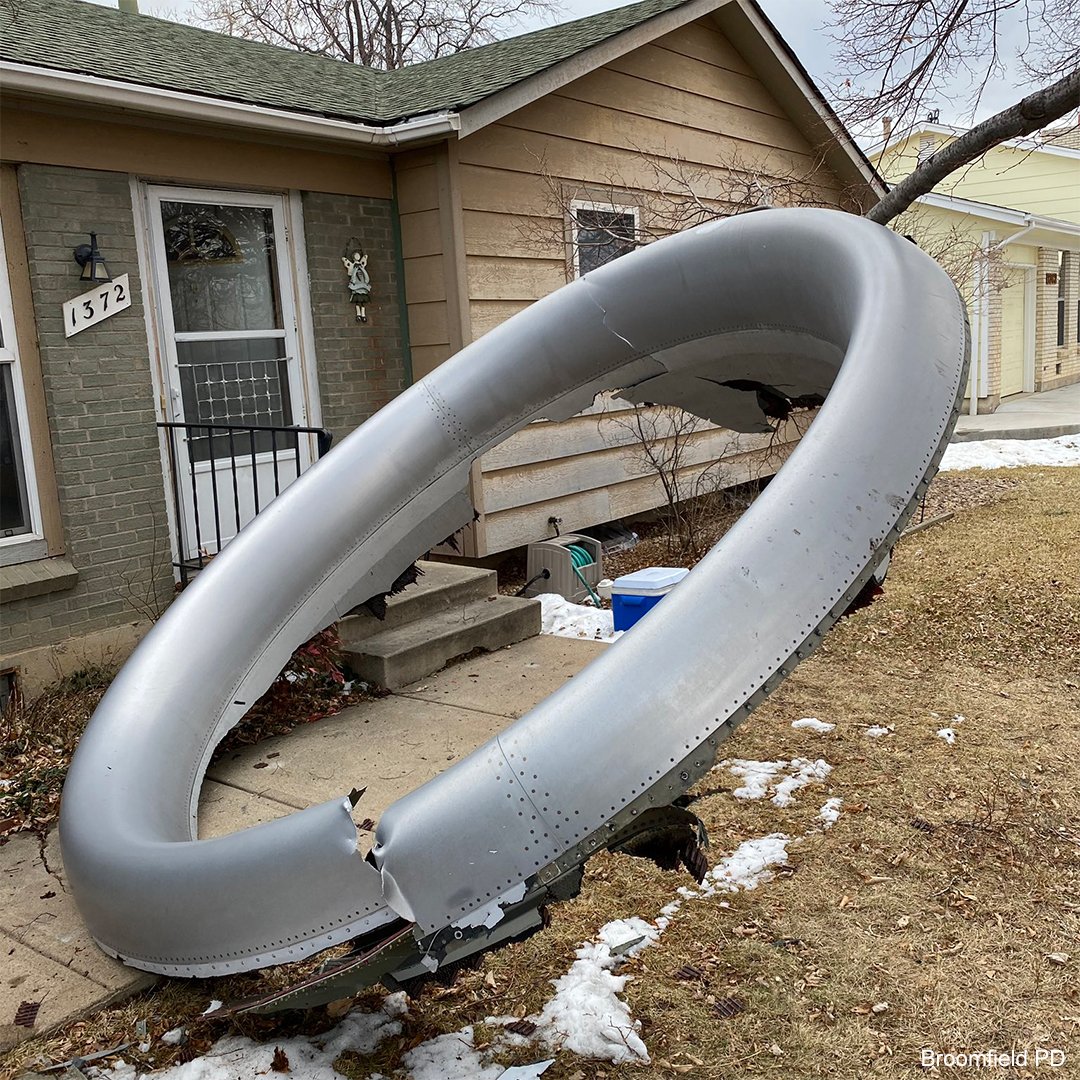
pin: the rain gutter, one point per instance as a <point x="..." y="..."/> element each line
<point x="157" y="101"/>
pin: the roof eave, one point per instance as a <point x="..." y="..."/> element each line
<point x="1003" y="214"/>
<point x="57" y="85"/>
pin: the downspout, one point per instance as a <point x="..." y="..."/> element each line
<point x="980" y="324"/>
<point x="1028" y="226"/>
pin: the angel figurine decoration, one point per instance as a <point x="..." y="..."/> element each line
<point x="359" y="282"/>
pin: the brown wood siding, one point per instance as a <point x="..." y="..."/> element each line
<point x="158" y="152"/>
<point x="522" y="500"/>
<point x="428" y="186"/>
<point x="690" y="94"/>
<point x="417" y="182"/>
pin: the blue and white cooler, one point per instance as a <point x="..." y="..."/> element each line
<point x="634" y="594"/>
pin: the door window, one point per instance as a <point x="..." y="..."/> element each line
<point x="224" y="288"/>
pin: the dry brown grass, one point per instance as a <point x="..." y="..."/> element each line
<point x="948" y="882"/>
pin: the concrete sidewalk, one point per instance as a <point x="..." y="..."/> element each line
<point x="1026" y="416"/>
<point x="390" y="746"/>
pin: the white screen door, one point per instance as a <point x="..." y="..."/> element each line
<point x="232" y="357"/>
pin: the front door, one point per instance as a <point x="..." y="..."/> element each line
<point x="231" y="358"/>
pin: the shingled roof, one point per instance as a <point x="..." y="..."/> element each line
<point x="74" y="36"/>
<point x="454" y="82"/>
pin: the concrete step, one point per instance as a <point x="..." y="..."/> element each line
<point x="407" y="653"/>
<point x="441" y="588"/>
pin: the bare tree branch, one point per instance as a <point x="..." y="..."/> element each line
<point x="1031" y="114"/>
<point x="898" y="56"/>
<point x="383" y="34"/>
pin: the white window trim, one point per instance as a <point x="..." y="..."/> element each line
<point x="27" y="546"/>
<point x="607" y="208"/>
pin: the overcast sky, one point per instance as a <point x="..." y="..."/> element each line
<point x="799" y="21"/>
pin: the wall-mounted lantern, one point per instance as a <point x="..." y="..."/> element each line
<point x="355" y="262"/>
<point x="91" y="261"/>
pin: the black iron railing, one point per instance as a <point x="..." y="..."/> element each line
<point x="222" y="475"/>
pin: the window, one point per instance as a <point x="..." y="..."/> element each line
<point x="601" y="233"/>
<point x="1063" y="270"/>
<point x="20" y="517"/>
<point x="232" y="361"/>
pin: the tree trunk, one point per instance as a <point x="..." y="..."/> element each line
<point x="1031" y="114"/>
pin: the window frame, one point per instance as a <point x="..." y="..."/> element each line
<point x="1062" y="307"/>
<point x="32" y="541"/>
<point x="618" y="209"/>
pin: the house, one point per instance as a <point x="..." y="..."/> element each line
<point x="290" y="241"/>
<point x="1008" y="228"/>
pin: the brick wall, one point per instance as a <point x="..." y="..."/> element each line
<point x="361" y="365"/>
<point x="1056" y="365"/>
<point x="101" y="416"/>
<point x="100" y="396"/>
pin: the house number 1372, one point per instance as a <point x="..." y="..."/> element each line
<point x="93" y="307"/>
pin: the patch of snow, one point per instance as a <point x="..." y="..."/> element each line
<point x="212" y="1007"/>
<point x="748" y="866"/>
<point x="756" y="776"/>
<point x="877" y="731"/>
<point x="958" y="718"/>
<point x="236" y="1057"/>
<point x="615" y="935"/>
<point x="563" y="619"/>
<point x="586" y="1014"/>
<point x="174" y="1037"/>
<point x="667" y="913"/>
<point x="830" y="812"/>
<point x="1011" y="453"/>
<point x="812" y="723"/>
<point x="806" y="772"/>
<point x="947" y="734"/>
<point x="761" y="776"/>
<point x="450" y="1057"/>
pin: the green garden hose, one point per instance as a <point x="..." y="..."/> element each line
<point x="580" y="557"/>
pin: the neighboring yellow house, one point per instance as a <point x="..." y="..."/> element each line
<point x="1007" y="227"/>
